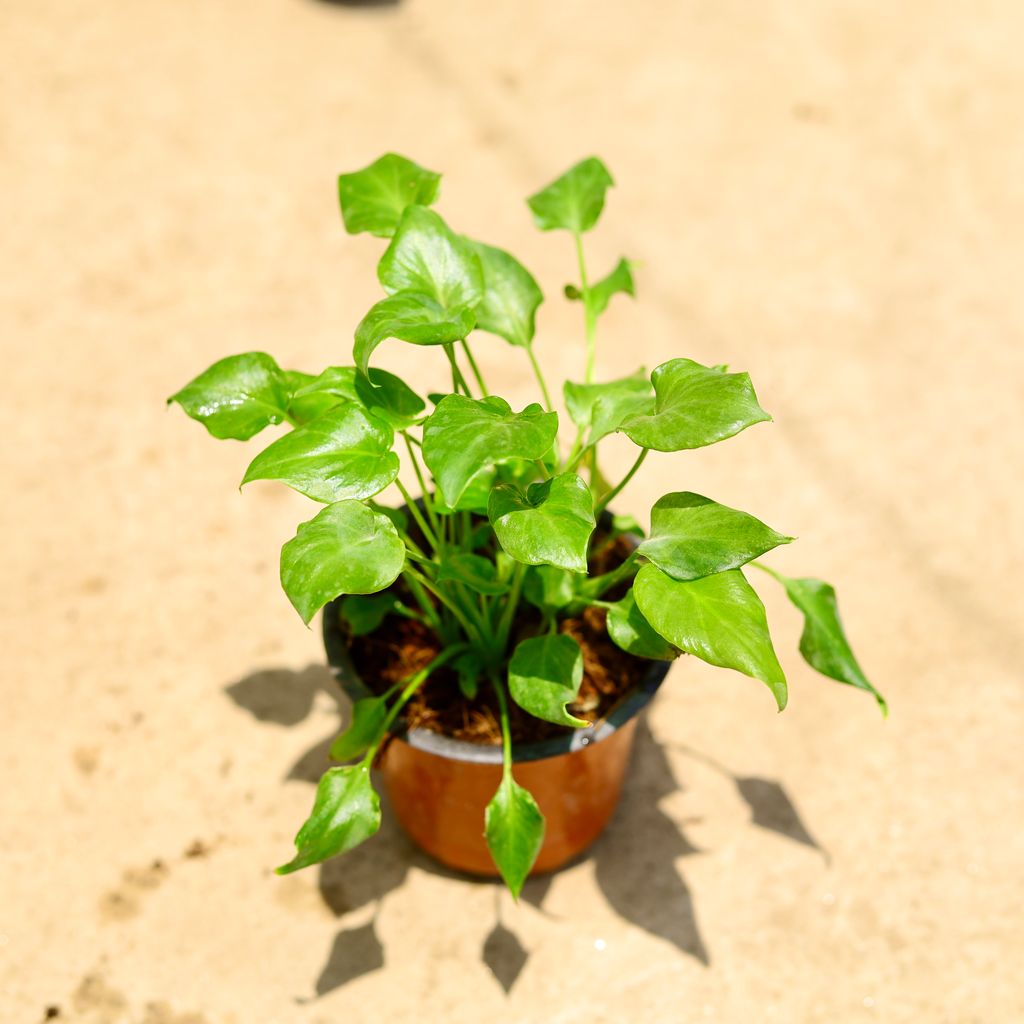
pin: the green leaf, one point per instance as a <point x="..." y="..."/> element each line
<point x="575" y="200"/>
<point x="345" y="453"/>
<point x="626" y="524"/>
<point x="544" y="675"/>
<point x="510" y="296"/>
<point x="346" y="812"/>
<point x="469" y="666"/>
<point x="620" y="280"/>
<point x="718" y="619"/>
<point x="374" y="198"/>
<point x="695" y="405"/>
<point x="346" y="549"/>
<point x="409" y="316"/>
<point x="548" y="588"/>
<point x="823" y="642"/>
<point x="474" y="571"/>
<point x="463" y="435"/>
<point x="427" y="257"/>
<point x="308" y="402"/>
<point x="514" y="828"/>
<point x="693" y="536"/>
<point x="363" y="731"/>
<point x="633" y="633"/>
<point x="236" y="397"/>
<point x="602" y="408"/>
<point x="549" y="524"/>
<point x="390" y="398"/>
<point x="474" y="497"/>
<point x="365" y="612"/>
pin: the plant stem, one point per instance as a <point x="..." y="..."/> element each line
<point x="506" y="733"/>
<point x="589" y="320"/>
<point x="476" y="369"/>
<point x="458" y="381"/>
<point x="410" y="503"/>
<point x="424" y="490"/>
<point x="603" y="503"/>
<point x="511" y="605"/>
<point x="540" y="377"/>
<point x="470" y="629"/>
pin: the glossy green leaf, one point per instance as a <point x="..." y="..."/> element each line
<point x="514" y="828"/>
<point x="602" y="408"/>
<point x="307" y="402"/>
<point x="548" y="524"/>
<point x="718" y="619"/>
<point x="626" y="524"/>
<point x="363" y="731"/>
<point x="823" y="642"/>
<point x="619" y="281"/>
<point x="236" y="397"/>
<point x="473" y="571"/>
<point x="511" y="296"/>
<point x="695" y="405"/>
<point x="397" y="516"/>
<point x="364" y="613"/>
<point x="390" y="398"/>
<point x="633" y="633"/>
<point x="427" y="257"/>
<point x="345" y="453"/>
<point x="544" y="675"/>
<point x="346" y="812"/>
<point x="548" y="588"/>
<point x="693" y="536"/>
<point x="462" y="436"/>
<point x="573" y="201"/>
<point x="375" y="198"/>
<point x="412" y="317"/>
<point x="346" y="549"/>
<point x="474" y="497"/>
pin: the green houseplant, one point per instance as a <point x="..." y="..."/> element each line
<point x="497" y="549"/>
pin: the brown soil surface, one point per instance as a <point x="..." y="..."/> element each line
<point x="401" y="647"/>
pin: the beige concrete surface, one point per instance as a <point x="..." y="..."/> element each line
<point x="827" y="194"/>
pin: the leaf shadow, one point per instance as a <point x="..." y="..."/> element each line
<point x="354" y="952"/>
<point x="635" y="860"/>
<point x="504" y="956"/>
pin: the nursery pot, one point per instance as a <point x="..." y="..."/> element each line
<point x="439" y="787"/>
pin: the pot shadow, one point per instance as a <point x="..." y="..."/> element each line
<point x="635" y="860"/>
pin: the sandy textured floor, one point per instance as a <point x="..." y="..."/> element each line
<point x="830" y="195"/>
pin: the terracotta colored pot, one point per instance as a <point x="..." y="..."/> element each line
<point x="439" y="786"/>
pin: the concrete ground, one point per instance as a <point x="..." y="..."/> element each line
<point x="829" y="195"/>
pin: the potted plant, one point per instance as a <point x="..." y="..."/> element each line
<point x="501" y="630"/>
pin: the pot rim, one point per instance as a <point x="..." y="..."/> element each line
<point x="478" y="753"/>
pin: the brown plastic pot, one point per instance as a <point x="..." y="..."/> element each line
<point x="439" y="786"/>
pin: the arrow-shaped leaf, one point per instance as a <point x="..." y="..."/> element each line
<point x="620" y="280"/>
<point x="573" y="201"/>
<point x="374" y="198"/>
<point x="462" y="436"/>
<point x="823" y="642"/>
<point x="510" y="296"/>
<point x="345" y="453"/>
<point x="544" y="675"/>
<point x="236" y="397"/>
<point x="693" y="536"/>
<point x="549" y="524"/>
<point x="514" y="828"/>
<point x="694" y="406"/>
<point x="718" y="619"/>
<point x="346" y="549"/>
<point x="346" y="812"/>
<point x="427" y="257"/>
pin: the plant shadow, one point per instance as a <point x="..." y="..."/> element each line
<point x="635" y="861"/>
